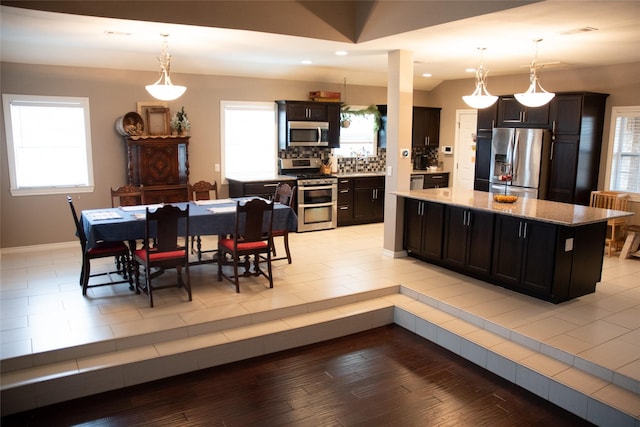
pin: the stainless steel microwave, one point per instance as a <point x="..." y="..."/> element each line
<point x="308" y="134"/>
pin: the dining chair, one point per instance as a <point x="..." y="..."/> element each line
<point x="284" y="195"/>
<point x="614" y="200"/>
<point x="102" y="249"/>
<point x="251" y="237"/>
<point x="202" y="190"/>
<point x="167" y="225"/>
<point x="127" y="195"/>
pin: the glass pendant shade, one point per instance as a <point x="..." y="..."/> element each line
<point x="535" y="96"/>
<point x="163" y="89"/>
<point x="480" y="98"/>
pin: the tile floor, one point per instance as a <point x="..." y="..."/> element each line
<point x="42" y="307"/>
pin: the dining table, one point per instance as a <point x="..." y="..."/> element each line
<point x="206" y="218"/>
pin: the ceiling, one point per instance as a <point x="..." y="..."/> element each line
<point x="444" y="36"/>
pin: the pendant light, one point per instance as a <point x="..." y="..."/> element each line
<point x="480" y="98"/>
<point x="163" y="89"/>
<point x="535" y="96"/>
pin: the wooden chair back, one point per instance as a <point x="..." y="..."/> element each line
<point x="610" y="200"/>
<point x="203" y="190"/>
<point x="254" y="221"/>
<point x="127" y="195"/>
<point x="285" y="194"/>
<point x="167" y="225"/>
<point x="79" y="230"/>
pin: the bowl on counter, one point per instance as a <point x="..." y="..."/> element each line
<point x="505" y="198"/>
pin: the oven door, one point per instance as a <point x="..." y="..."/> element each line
<point x="317" y="207"/>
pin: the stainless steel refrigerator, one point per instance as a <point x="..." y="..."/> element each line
<point x="520" y="161"/>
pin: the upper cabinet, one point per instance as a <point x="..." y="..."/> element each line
<point x="309" y="111"/>
<point x="513" y="114"/>
<point x="426" y="127"/>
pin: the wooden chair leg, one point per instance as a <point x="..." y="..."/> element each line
<point x="286" y="247"/>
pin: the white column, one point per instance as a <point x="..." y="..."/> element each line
<point x="399" y="118"/>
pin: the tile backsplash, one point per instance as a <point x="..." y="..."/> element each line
<point x="345" y="164"/>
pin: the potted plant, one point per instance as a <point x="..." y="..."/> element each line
<point x="346" y="111"/>
<point x="180" y="122"/>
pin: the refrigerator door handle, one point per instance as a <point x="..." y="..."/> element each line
<point x="515" y="158"/>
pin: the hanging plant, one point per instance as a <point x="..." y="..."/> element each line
<point x="346" y="112"/>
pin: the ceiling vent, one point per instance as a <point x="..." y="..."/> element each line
<point x="578" y="31"/>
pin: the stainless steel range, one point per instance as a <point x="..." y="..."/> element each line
<point x="317" y="194"/>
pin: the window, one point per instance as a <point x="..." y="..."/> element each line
<point x="249" y="138"/>
<point x="624" y="150"/>
<point x="360" y="138"/>
<point x="48" y="144"/>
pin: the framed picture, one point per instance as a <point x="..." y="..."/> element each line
<point x="156" y="117"/>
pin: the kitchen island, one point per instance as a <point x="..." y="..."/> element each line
<point x="549" y="250"/>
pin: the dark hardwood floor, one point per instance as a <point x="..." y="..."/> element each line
<point x="386" y="376"/>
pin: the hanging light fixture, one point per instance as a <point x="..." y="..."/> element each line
<point x="480" y="98"/>
<point x="535" y="96"/>
<point x="163" y="89"/>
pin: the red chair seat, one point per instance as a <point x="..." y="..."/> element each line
<point x="155" y="256"/>
<point x="107" y="248"/>
<point x="249" y="246"/>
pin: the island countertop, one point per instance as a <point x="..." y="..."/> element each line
<point x="540" y="210"/>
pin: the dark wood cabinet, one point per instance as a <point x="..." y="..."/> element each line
<point x="309" y="111"/>
<point x="545" y="260"/>
<point x="483" y="162"/>
<point x="368" y="199"/>
<point x="577" y="121"/>
<point x="345" y="201"/>
<point x="513" y="114"/>
<point x="382" y="130"/>
<point x="264" y="189"/>
<point x="161" y="165"/>
<point x="360" y="200"/>
<point x="467" y="237"/>
<point x="423" y="228"/>
<point x="425" y="129"/>
<point x="487" y="118"/>
<point x="436" y="180"/>
<point x="524" y="254"/>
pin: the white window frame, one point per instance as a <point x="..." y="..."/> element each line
<point x="8" y="100"/>
<point x="266" y="106"/>
<point x="615" y="113"/>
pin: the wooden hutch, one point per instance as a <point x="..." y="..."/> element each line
<point x="161" y="165"/>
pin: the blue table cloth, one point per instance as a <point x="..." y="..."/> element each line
<point x="216" y="218"/>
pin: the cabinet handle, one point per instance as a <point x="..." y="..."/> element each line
<point x="493" y="124"/>
<point x="436" y="176"/>
<point x="426" y="140"/>
<point x="523" y="116"/>
<point x="343" y="208"/>
<point x="344" y="191"/>
<point x="344" y="181"/>
<point x="520" y="229"/>
<point x="525" y="231"/>
<point x="270" y="185"/>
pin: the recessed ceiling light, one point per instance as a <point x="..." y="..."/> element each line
<point x="341" y="53"/>
<point x="116" y="33"/>
<point x="470" y="70"/>
<point x="307" y="62"/>
<point x="426" y="74"/>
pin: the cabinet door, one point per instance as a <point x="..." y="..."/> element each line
<point x="433" y="216"/>
<point x="487" y="118"/>
<point x="538" y="264"/>
<point x="455" y="236"/>
<point x="413" y="214"/>
<point x="480" y="237"/>
<point x="566" y="114"/>
<point x="363" y="210"/>
<point x="307" y="111"/>
<point x="562" y="173"/>
<point x="507" y="250"/>
<point x="483" y="162"/>
<point x="512" y="113"/>
<point x="333" y="117"/>
<point x="425" y="129"/>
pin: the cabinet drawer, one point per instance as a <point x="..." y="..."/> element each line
<point x="256" y="188"/>
<point x="369" y="182"/>
<point x="438" y="180"/>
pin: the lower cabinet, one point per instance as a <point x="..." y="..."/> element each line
<point x="423" y="228"/>
<point x="524" y="254"/>
<point x="360" y="200"/>
<point x="264" y="189"/>
<point x="467" y="239"/>
<point x="545" y="260"/>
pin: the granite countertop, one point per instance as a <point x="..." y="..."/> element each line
<point x="540" y="210"/>
<point x="427" y="172"/>
<point x="257" y="177"/>
<point x="357" y="174"/>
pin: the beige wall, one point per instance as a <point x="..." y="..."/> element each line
<point x="112" y="93"/>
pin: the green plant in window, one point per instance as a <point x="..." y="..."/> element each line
<point x="346" y="111"/>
